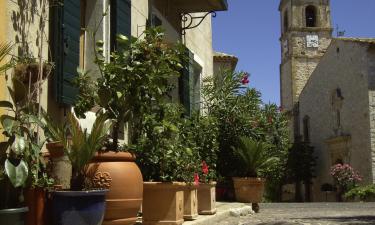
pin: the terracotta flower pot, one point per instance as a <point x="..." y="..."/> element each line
<point x="61" y="170"/>
<point x="207" y="198"/>
<point x="163" y="203"/>
<point x="118" y="173"/>
<point x="35" y="201"/>
<point x="248" y="189"/>
<point x="190" y="202"/>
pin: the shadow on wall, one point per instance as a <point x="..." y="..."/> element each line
<point x="24" y="16"/>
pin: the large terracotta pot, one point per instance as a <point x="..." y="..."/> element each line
<point x="190" y="202"/>
<point x="163" y="203"/>
<point x="61" y="168"/>
<point x="207" y="198"/>
<point x="35" y="201"/>
<point x="119" y="173"/>
<point x="248" y="189"/>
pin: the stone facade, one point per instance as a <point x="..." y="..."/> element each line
<point x="299" y="58"/>
<point x="339" y="101"/>
<point x="223" y="61"/>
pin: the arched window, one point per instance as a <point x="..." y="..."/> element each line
<point x="306" y="127"/>
<point x="310" y="14"/>
<point x="286" y="21"/>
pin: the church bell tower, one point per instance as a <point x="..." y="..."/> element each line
<point x="306" y="33"/>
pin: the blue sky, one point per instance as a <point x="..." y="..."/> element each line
<point x="250" y="29"/>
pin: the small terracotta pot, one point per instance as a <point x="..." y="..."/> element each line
<point x="35" y="201"/>
<point x="207" y="198"/>
<point x="61" y="170"/>
<point x="248" y="189"/>
<point x="190" y="202"/>
<point x="163" y="203"/>
<point x="119" y="173"/>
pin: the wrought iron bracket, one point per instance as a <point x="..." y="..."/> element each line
<point x="188" y="20"/>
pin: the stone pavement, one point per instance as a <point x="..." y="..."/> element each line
<point x="307" y="214"/>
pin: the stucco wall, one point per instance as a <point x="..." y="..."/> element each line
<point x="344" y="66"/>
<point x="199" y="41"/>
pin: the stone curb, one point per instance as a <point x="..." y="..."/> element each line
<point x="243" y="210"/>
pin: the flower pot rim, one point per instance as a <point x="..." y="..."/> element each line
<point x="212" y="183"/>
<point x="104" y="156"/>
<point x="163" y="185"/>
<point x="80" y="193"/>
<point x="249" y="178"/>
<point x="14" y="210"/>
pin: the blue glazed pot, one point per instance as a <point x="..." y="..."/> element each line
<point x="78" y="207"/>
<point x="15" y="216"/>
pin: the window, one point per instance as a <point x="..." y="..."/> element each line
<point x="310" y="14"/>
<point x="306" y="127"/>
<point x="286" y="21"/>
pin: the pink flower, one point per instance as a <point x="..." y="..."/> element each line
<point x="204" y="168"/>
<point x="196" y="179"/>
<point x="245" y="79"/>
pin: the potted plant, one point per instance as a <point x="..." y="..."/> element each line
<point x="137" y="76"/>
<point x="21" y="156"/>
<point x="205" y="130"/>
<point x="85" y="202"/>
<point x="253" y="156"/>
<point x="345" y="177"/>
<point x="166" y="163"/>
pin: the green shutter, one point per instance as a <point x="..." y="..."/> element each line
<point x="184" y="82"/>
<point x="65" y="44"/>
<point x="124" y="17"/>
<point x="120" y="19"/>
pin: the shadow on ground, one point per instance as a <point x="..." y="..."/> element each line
<point x="363" y="219"/>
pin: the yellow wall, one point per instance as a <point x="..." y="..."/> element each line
<point x="3" y="39"/>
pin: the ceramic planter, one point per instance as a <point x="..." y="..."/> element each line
<point x="61" y="168"/>
<point x="15" y="216"/>
<point x="248" y="189"/>
<point x="118" y="173"/>
<point x="78" y="207"/>
<point x="190" y="202"/>
<point x="207" y="198"/>
<point x="163" y="203"/>
<point x="36" y="201"/>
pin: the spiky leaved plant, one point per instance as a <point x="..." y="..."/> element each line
<point x="254" y="157"/>
<point x="81" y="147"/>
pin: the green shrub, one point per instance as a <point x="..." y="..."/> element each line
<point x="363" y="193"/>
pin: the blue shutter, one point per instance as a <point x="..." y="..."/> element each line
<point x="65" y="44"/>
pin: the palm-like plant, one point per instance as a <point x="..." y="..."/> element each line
<point x="5" y="49"/>
<point x="254" y="156"/>
<point x="81" y="147"/>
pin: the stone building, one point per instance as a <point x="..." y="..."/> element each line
<point x="66" y="38"/>
<point x="223" y="61"/>
<point x="327" y="87"/>
<point x="305" y="35"/>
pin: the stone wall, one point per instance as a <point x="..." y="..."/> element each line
<point x="343" y="67"/>
<point x="371" y="77"/>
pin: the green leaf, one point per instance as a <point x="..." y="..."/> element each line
<point x="6" y="104"/>
<point x="122" y="38"/>
<point x="19" y="145"/>
<point x="17" y="174"/>
<point x="8" y="122"/>
<point x="119" y="94"/>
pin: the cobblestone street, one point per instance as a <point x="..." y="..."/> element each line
<point x="308" y="213"/>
